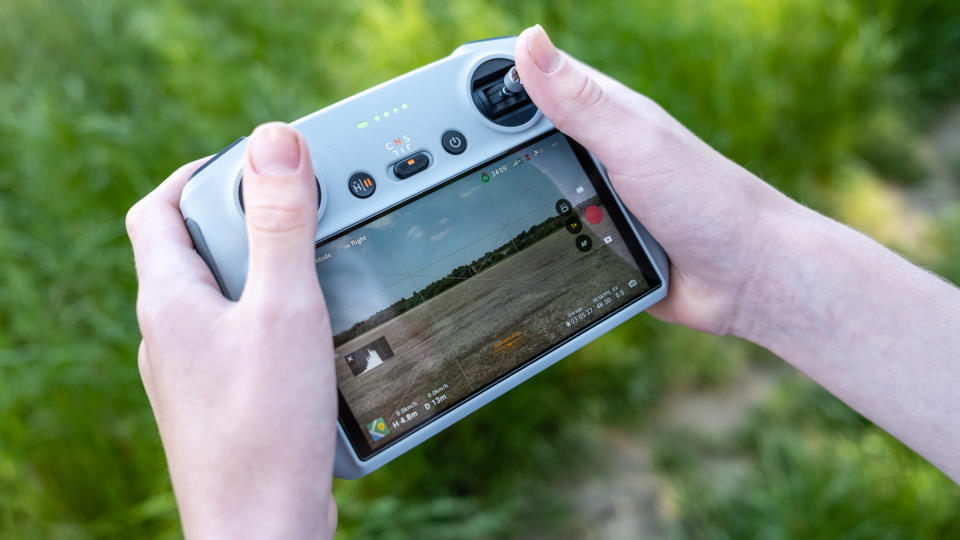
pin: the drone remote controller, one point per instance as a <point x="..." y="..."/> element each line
<point x="463" y="245"/>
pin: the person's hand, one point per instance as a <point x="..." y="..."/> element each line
<point x="702" y="208"/>
<point x="875" y="330"/>
<point x="244" y="392"/>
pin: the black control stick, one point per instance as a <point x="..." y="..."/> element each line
<point x="499" y="95"/>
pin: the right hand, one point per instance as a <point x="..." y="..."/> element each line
<point x="705" y="210"/>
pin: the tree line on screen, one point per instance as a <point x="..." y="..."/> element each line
<point x="459" y="274"/>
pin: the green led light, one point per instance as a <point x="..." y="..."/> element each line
<point x="404" y="105"/>
<point x="386" y="114"/>
<point x="362" y="125"/>
<point x="376" y="118"/>
<point x="396" y="110"/>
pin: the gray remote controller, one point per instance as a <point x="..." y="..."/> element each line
<point x="463" y="245"/>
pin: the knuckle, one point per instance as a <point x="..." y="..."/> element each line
<point x="134" y="218"/>
<point x="146" y="312"/>
<point x="143" y="361"/>
<point x="589" y="93"/>
<point x="583" y="96"/>
<point x="152" y="309"/>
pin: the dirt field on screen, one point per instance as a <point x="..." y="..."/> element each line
<point x="485" y="326"/>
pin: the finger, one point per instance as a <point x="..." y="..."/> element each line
<point x="162" y="249"/>
<point x="594" y="109"/>
<point x="332" y="517"/>
<point x="280" y="201"/>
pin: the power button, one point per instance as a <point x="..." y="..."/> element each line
<point x="453" y="141"/>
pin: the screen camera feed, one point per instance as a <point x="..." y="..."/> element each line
<point x="439" y="298"/>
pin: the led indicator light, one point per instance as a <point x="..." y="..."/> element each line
<point x="376" y="118"/>
<point x="410" y="161"/>
<point x="396" y="110"/>
<point x="362" y="125"/>
<point x="404" y="105"/>
<point x="386" y="114"/>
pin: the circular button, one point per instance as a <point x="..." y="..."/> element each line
<point x="584" y="243"/>
<point x="362" y="184"/>
<point x="564" y="207"/>
<point x="453" y="141"/>
<point x="594" y="214"/>
<point x="573" y="225"/>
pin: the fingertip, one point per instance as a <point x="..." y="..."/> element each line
<point x="538" y="47"/>
<point x="522" y="49"/>
<point x="275" y="149"/>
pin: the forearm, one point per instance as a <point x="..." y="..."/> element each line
<point x="880" y="333"/>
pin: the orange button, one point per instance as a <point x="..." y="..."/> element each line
<point x="411" y="166"/>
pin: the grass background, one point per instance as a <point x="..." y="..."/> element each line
<point x="832" y="102"/>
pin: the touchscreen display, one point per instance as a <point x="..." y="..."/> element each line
<point x="443" y="295"/>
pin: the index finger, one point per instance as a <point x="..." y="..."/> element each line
<point x="162" y="248"/>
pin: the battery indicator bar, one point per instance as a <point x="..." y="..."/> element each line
<point x="377" y="117"/>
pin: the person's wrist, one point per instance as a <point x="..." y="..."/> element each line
<point x="769" y="249"/>
<point x="260" y="502"/>
<point x="772" y="291"/>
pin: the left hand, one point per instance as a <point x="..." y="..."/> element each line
<point x="244" y="392"/>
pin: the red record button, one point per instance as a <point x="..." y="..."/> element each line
<point x="593" y="214"/>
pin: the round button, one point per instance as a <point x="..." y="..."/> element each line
<point x="453" y="141"/>
<point x="362" y="184"/>
<point x="584" y="243"/>
<point x="594" y="214"/>
<point x="564" y="207"/>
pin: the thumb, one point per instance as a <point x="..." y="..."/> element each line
<point x="280" y="203"/>
<point x="592" y="108"/>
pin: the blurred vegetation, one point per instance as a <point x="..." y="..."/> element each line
<point x="100" y="100"/>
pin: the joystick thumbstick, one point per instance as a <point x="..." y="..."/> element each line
<point x="499" y="95"/>
<point x="512" y="83"/>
